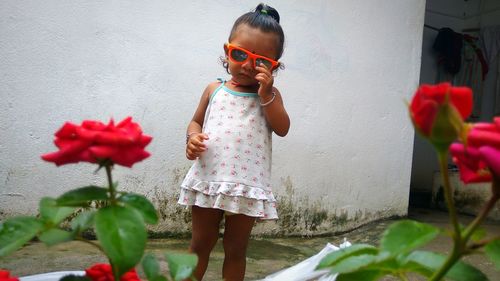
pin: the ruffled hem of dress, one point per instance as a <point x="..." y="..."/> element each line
<point x="261" y="209"/>
<point x="227" y="188"/>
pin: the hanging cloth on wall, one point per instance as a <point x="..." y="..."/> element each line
<point x="448" y="44"/>
<point x="472" y="72"/>
<point x="461" y="62"/>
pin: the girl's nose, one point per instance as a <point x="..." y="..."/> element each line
<point x="248" y="64"/>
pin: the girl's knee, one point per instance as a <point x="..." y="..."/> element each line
<point x="235" y="249"/>
<point x="203" y="247"/>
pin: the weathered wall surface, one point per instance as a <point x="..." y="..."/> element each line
<point x="349" y="67"/>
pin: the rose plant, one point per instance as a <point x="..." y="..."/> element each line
<point x="438" y="113"/>
<point x="118" y="218"/>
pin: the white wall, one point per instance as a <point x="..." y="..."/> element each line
<point x="349" y="67"/>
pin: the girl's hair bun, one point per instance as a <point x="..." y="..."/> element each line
<point x="268" y="10"/>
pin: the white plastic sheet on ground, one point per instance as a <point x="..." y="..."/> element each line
<point x="50" y="276"/>
<point x="304" y="271"/>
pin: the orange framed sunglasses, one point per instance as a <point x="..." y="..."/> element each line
<point x="239" y="55"/>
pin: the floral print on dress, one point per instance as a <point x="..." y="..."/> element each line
<point x="234" y="173"/>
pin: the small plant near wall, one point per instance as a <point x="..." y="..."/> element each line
<point x="438" y="113"/>
<point x="118" y="218"/>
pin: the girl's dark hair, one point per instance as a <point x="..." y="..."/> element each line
<point x="265" y="18"/>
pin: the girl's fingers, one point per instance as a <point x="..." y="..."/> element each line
<point x="197" y="148"/>
<point x="262" y="68"/>
<point x="203" y="136"/>
<point x="262" y="78"/>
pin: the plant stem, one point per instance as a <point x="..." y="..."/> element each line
<point x="484" y="212"/>
<point x="112" y="191"/>
<point x="448" y="195"/>
<point x="450" y="261"/>
<point x="457" y="250"/>
<point x="481" y="243"/>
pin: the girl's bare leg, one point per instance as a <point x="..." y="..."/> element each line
<point x="236" y="235"/>
<point x="206" y="223"/>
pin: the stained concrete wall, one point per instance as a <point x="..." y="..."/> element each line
<point x="349" y="67"/>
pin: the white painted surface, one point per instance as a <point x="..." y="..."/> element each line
<point x="349" y="67"/>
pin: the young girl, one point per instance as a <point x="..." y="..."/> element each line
<point x="229" y="138"/>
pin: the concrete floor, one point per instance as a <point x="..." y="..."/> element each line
<point x="265" y="255"/>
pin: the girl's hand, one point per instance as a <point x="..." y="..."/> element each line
<point x="266" y="80"/>
<point x="195" y="145"/>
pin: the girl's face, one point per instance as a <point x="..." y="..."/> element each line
<point x="258" y="42"/>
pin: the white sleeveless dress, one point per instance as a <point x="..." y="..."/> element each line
<point x="234" y="173"/>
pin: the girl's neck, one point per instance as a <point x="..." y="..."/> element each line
<point x="244" y="88"/>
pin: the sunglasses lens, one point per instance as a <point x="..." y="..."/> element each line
<point x="265" y="62"/>
<point x="238" y="55"/>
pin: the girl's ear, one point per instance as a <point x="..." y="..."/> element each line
<point x="225" y="49"/>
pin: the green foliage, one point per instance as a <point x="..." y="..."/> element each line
<point x="123" y="236"/>
<point x="151" y="268"/>
<point x="461" y="271"/>
<point x="83" y="196"/>
<point x="395" y="256"/>
<point x="15" y="232"/>
<point x="404" y="236"/>
<point x="365" y="275"/>
<point x="83" y="221"/>
<point x="493" y="252"/>
<point x="478" y="234"/>
<point x="355" y="250"/>
<point x="55" y="236"/>
<point x="51" y="213"/>
<point x="142" y="205"/>
<point x="181" y="265"/>
<point x="119" y="224"/>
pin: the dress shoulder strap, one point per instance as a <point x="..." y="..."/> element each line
<point x="222" y="82"/>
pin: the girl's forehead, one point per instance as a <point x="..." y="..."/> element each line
<point x="255" y="40"/>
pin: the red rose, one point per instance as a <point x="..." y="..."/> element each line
<point x="438" y="111"/>
<point x="104" y="272"/>
<point x="5" y="276"/>
<point x="94" y="141"/>
<point x="428" y="98"/>
<point x="480" y="158"/>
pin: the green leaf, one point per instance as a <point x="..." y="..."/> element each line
<point x="461" y="271"/>
<point x="15" y="232"/>
<point x="55" y="236"/>
<point x="478" y="234"/>
<point x="151" y="268"/>
<point x="492" y="250"/>
<point x="83" y="221"/>
<point x="181" y="265"/>
<point x="339" y="255"/>
<point x="123" y="235"/>
<point x="353" y="263"/>
<point x="83" y="196"/>
<point x="413" y="266"/>
<point x="51" y="212"/>
<point x="406" y="235"/>
<point x="141" y="204"/>
<point x="365" y="275"/>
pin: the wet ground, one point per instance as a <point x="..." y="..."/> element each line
<point x="265" y="256"/>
